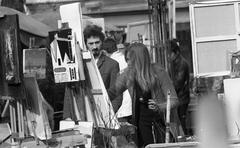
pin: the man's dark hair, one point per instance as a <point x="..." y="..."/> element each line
<point x="174" y="46"/>
<point x="109" y="45"/>
<point x="126" y="44"/>
<point x="93" y="31"/>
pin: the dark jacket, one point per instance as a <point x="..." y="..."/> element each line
<point x="159" y="94"/>
<point x="109" y="70"/>
<point x="180" y="77"/>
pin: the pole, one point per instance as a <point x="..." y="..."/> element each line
<point x="167" y="136"/>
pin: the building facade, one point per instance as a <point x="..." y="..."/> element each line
<point x="117" y="13"/>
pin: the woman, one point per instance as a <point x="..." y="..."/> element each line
<point x="148" y="85"/>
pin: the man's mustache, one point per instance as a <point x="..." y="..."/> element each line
<point x="95" y="49"/>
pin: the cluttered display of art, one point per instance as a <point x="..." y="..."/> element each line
<point x="72" y="66"/>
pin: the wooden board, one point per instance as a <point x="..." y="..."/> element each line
<point x="174" y="145"/>
<point x="232" y="101"/>
<point x="60" y="139"/>
<point x="37" y="119"/>
<point x="72" y="14"/>
<point x="103" y="108"/>
<point x="87" y="129"/>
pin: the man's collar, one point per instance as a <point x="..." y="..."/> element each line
<point x="101" y="59"/>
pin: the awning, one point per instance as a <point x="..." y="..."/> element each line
<point x="51" y="19"/>
<point x="27" y="23"/>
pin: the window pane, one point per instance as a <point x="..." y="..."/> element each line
<point x="215" y="20"/>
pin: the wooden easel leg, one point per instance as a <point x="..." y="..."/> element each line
<point x="5" y="108"/>
<point x="20" y="119"/>
<point x="13" y="119"/>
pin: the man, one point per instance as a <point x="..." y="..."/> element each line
<point x="180" y="77"/>
<point x="108" y="67"/>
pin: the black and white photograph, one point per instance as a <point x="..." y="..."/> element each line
<point x="119" y="73"/>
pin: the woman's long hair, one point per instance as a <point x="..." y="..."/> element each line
<point x="141" y="67"/>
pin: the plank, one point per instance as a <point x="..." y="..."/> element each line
<point x="62" y="139"/>
<point x="37" y="119"/>
<point x="103" y="108"/>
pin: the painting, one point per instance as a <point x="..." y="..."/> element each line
<point x="64" y="58"/>
<point x="34" y="63"/>
<point x="10" y="43"/>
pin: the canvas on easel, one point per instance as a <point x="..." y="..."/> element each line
<point x="10" y="71"/>
<point x="34" y="62"/>
<point x="64" y="58"/>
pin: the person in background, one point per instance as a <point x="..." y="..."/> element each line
<point x="180" y="77"/>
<point x="117" y="52"/>
<point x="148" y="85"/>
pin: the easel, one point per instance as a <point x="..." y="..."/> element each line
<point x="96" y="98"/>
<point x="10" y="74"/>
<point x="15" y="92"/>
<point x="17" y="125"/>
<point x="88" y="98"/>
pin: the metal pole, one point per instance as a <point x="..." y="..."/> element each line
<point x="152" y="49"/>
<point x="167" y="136"/>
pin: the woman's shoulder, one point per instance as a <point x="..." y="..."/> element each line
<point x="159" y="71"/>
<point x="127" y="74"/>
<point x="125" y="71"/>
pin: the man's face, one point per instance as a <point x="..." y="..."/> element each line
<point x="94" y="45"/>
